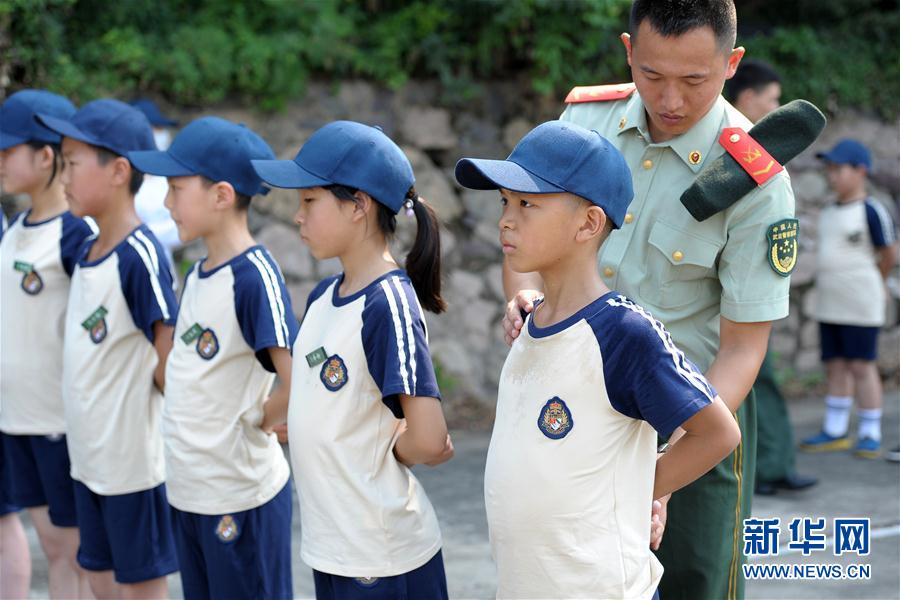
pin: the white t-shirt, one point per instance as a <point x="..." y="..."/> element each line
<point x="218" y="376"/>
<point x="568" y="484"/>
<point x="111" y="403"/>
<point x="849" y="287"/>
<point x="362" y="513"/>
<point x="36" y="262"/>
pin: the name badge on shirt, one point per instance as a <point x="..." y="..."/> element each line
<point x="23" y="267"/>
<point x="96" y="325"/>
<point x="316" y="357"/>
<point x="191" y="334"/>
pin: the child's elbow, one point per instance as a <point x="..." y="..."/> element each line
<point x="731" y="437"/>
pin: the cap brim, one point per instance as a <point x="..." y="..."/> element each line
<point x="484" y="174"/>
<point x="155" y="162"/>
<point x="8" y="140"/>
<point x="287" y="174"/>
<point x="65" y="129"/>
<point x="163" y="122"/>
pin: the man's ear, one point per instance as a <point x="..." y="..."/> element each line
<point x="225" y="196"/>
<point x="364" y="203"/>
<point x="734" y="59"/>
<point x="593" y="223"/>
<point x="626" y="41"/>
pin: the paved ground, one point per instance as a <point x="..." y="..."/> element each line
<point x="849" y="487"/>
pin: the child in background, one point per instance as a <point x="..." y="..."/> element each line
<point x="118" y="333"/>
<point x="856" y="251"/>
<point x="37" y="255"/>
<point x="364" y="402"/>
<point x="227" y="479"/>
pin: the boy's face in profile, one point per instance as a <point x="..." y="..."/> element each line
<point x="538" y="231"/>
<point x="191" y="204"/>
<point x="89" y="185"/>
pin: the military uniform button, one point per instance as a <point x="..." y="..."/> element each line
<point x="629" y="218"/>
<point x="735" y="138"/>
<point x="608" y="272"/>
<point x="678" y="255"/>
<point x="647" y="164"/>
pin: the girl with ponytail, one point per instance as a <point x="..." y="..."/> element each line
<point x="364" y="403"/>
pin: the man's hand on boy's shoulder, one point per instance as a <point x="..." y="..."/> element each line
<point x="513" y="319"/>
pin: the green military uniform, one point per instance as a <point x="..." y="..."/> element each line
<point x="775" y="457"/>
<point x="688" y="274"/>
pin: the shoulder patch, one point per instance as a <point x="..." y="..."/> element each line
<point x="782" y="248"/>
<point x="749" y="154"/>
<point x="600" y="93"/>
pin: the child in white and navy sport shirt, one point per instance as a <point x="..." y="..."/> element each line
<point x="118" y="333"/>
<point x="37" y="256"/>
<point x="572" y="469"/>
<point x="364" y="402"/>
<point x="226" y="478"/>
<point x="855" y="253"/>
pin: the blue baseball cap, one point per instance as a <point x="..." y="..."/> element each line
<point x="107" y="123"/>
<point x="152" y="112"/>
<point x="554" y="157"/>
<point x="349" y="154"/>
<point x="848" y="152"/>
<point x="213" y="147"/>
<point x="17" y="124"/>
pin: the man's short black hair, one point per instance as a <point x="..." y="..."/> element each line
<point x="105" y="156"/>
<point x="677" y="17"/>
<point x="750" y="75"/>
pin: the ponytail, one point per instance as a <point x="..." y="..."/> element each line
<point x="423" y="263"/>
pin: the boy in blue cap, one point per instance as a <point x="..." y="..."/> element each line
<point x="586" y="387"/>
<point x="118" y="332"/>
<point x="856" y="251"/>
<point x="37" y="253"/>
<point x="227" y="479"/>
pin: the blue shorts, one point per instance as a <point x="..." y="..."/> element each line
<point x="428" y="582"/>
<point x="850" y="342"/>
<point x="39" y="475"/>
<point x="7" y="506"/>
<point x="130" y="534"/>
<point x="245" y="554"/>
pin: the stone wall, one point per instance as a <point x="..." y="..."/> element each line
<point x="466" y="341"/>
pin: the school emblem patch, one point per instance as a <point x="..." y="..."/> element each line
<point x="334" y="373"/>
<point x="207" y="344"/>
<point x="555" y="420"/>
<point x="95" y="325"/>
<point x="32" y="284"/>
<point x="227" y="529"/>
<point x="782" y="250"/>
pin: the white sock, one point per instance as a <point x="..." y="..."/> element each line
<point x="869" y="423"/>
<point x="837" y="415"/>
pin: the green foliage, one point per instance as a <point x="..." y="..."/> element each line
<point x="263" y="52"/>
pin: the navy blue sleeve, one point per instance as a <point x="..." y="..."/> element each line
<point x="147" y="282"/>
<point x="74" y="232"/>
<point x="396" y="344"/>
<point x="646" y="376"/>
<point x="263" y="306"/>
<point x="881" y="226"/>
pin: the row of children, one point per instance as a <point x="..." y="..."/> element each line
<point x="146" y="422"/>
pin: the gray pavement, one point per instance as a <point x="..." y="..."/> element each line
<point x="849" y="487"/>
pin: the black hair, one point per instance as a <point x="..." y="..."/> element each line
<point x="105" y="156"/>
<point x="677" y="17"/>
<point x="58" y="163"/>
<point x="423" y="263"/>
<point x="750" y="75"/>
<point x="241" y="201"/>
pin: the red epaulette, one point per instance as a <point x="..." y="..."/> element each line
<point x="600" y="93"/>
<point x="750" y="154"/>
